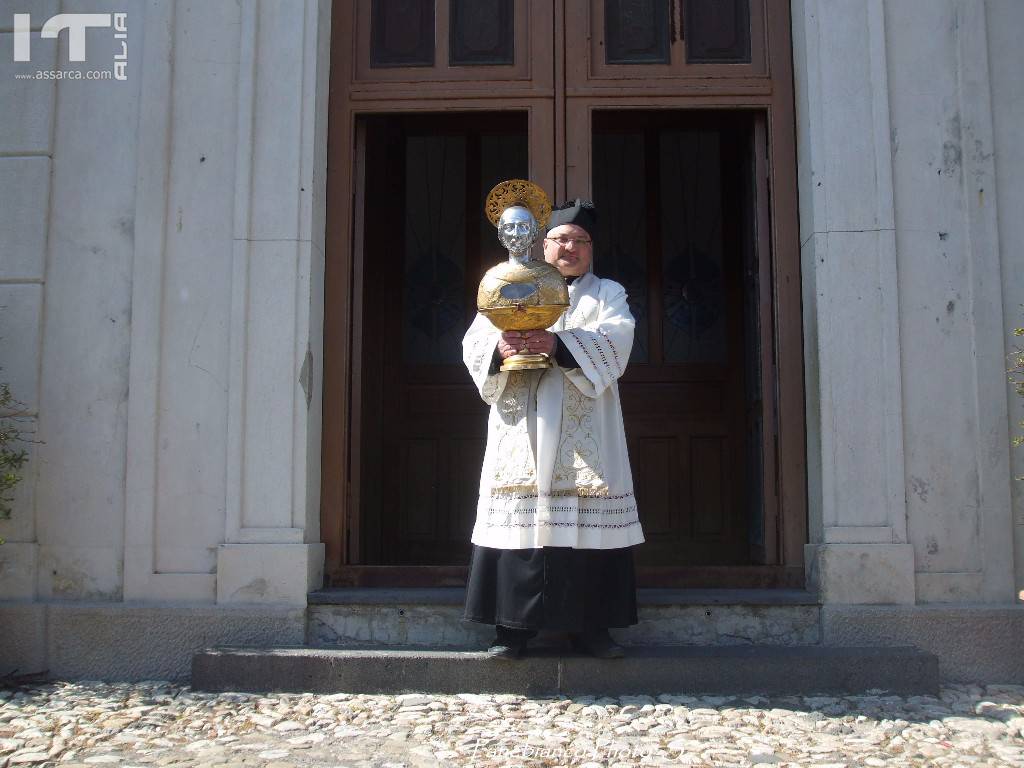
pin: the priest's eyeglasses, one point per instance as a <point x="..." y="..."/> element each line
<point x="565" y="242"/>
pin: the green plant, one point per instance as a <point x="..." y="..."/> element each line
<point x="11" y="459"/>
<point x="1016" y="372"/>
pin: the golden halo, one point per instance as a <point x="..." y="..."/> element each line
<point x="518" y="192"/>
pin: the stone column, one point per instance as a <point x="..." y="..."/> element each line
<point x="228" y="284"/>
<point x="273" y="550"/>
<point x="858" y="551"/>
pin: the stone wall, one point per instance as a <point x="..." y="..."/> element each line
<point x="163" y="306"/>
<point x="908" y="182"/>
<point x="66" y="224"/>
<point x="1006" y="61"/>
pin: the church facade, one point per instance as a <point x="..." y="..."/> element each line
<point x="236" y="272"/>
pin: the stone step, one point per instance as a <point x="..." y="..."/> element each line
<point x="432" y="618"/>
<point x="772" y="670"/>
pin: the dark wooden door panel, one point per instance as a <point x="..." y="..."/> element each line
<point x="426" y="248"/>
<point x="671" y="397"/>
<point x="671" y="233"/>
<point x="436" y="500"/>
<point x="659" y="485"/>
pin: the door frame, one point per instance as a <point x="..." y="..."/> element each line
<point x="553" y="115"/>
<point x="343" y="282"/>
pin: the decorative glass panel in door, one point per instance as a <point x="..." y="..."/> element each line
<point x="648" y="44"/>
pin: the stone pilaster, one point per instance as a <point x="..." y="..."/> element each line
<point x="857" y="512"/>
<point x="224" y="422"/>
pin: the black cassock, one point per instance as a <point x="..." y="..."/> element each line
<point x="557" y="588"/>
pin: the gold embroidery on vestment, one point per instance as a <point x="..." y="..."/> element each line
<point x="578" y="463"/>
<point x="516" y="465"/>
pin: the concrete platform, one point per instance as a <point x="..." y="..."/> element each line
<point x="774" y="670"/>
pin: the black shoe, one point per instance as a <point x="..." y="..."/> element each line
<point x="597" y="643"/>
<point x="509" y="642"/>
<point x="500" y="649"/>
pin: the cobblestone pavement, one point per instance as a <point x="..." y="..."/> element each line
<point x="160" y="724"/>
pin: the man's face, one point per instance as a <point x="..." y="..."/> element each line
<point x="569" y="248"/>
<point x="517" y="229"/>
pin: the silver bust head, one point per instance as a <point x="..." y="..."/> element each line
<point x="518" y="231"/>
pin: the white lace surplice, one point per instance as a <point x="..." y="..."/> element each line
<point x="556" y="471"/>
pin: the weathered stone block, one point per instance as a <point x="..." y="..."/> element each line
<point x="23" y="639"/>
<point x="974" y="643"/>
<point x="18" y="570"/>
<point x="268" y="573"/>
<point x="156" y="642"/>
<point x="79" y="573"/>
<point x="21" y="306"/>
<point x="24" y="205"/>
<point x="28" y="104"/>
<point x="861" y="573"/>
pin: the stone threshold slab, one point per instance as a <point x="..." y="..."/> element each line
<point x="437" y="626"/>
<point x="457" y="596"/>
<point x="772" y="670"/>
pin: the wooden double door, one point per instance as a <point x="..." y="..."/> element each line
<point x="685" y="144"/>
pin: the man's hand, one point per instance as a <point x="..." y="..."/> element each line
<point x="529" y="342"/>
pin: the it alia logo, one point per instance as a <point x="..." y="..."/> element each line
<point x="76" y="24"/>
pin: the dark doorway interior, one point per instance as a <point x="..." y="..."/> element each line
<point x="676" y="195"/>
